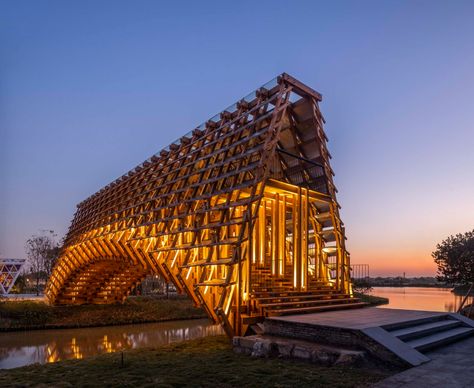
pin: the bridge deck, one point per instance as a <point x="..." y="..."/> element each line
<point x="394" y="336"/>
<point x="359" y="318"/>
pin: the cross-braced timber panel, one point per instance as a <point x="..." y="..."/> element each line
<point x="9" y="271"/>
<point x="189" y="212"/>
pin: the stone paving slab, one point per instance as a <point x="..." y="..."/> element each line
<point x="359" y="318"/>
<point x="450" y="366"/>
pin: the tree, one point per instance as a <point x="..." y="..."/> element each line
<point x="455" y="259"/>
<point x="51" y="259"/>
<point x="42" y="253"/>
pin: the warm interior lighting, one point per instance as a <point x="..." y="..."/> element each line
<point x="238" y="209"/>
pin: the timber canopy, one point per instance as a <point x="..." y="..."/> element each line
<point x="240" y="214"/>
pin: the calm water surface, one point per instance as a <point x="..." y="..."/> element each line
<point x="42" y="346"/>
<point x="419" y="298"/>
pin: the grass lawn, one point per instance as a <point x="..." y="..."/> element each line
<point x="15" y="315"/>
<point x="203" y="362"/>
<point x="27" y="315"/>
<point x="371" y="299"/>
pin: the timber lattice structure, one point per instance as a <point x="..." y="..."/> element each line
<point x="9" y="271"/>
<point x="240" y="214"/>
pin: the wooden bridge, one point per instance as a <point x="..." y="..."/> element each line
<point x="240" y="214"/>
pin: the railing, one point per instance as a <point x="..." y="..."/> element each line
<point x="466" y="297"/>
<point x="360" y="271"/>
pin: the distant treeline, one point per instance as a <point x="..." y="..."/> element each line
<point x="400" y="281"/>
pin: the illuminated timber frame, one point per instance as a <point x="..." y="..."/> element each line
<point x="244" y="204"/>
<point x="9" y="272"/>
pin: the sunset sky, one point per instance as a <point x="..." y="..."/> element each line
<point x="89" y="89"/>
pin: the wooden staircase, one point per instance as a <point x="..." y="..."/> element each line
<point x="318" y="298"/>
<point x="101" y="282"/>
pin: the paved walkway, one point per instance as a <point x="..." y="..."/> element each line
<point x="450" y="366"/>
<point x="358" y="318"/>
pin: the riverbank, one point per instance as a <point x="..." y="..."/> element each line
<point x="37" y="315"/>
<point x="371" y="299"/>
<point x="32" y="315"/>
<point x="207" y="361"/>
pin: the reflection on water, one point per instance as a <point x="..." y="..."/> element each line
<point x="420" y="298"/>
<point x="24" y="348"/>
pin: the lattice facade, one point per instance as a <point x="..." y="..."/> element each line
<point x="240" y="213"/>
<point x="9" y="271"/>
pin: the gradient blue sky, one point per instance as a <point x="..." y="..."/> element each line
<point x="89" y="89"/>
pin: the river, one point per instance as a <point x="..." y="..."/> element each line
<point x="419" y="298"/>
<point x="42" y="346"/>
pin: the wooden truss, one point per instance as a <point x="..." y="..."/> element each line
<point x="240" y="214"/>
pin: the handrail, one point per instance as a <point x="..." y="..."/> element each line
<point x="465" y="298"/>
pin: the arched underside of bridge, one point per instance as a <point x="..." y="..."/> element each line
<point x="100" y="280"/>
<point x="240" y="214"/>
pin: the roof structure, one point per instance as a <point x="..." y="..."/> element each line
<point x="241" y="206"/>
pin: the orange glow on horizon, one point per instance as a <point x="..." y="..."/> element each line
<point x="390" y="262"/>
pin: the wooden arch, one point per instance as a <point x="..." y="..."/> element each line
<point x="240" y="214"/>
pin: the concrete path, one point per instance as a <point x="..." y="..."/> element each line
<point x="451" y="366"/>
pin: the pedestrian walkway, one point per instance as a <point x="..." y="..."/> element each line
<point x="397" y="337"/>
<point x="450" y="366"/>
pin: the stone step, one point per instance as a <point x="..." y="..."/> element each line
<point x="414" y="322"/>
<point x="425" y="329"/>
<point x="315" y="309"/>
<point x="440" y="338"/>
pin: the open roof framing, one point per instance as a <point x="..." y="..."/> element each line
<point x="240" y="214"/>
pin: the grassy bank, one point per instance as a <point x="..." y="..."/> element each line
<point x="371" y="299"/>
<point x="204" y="362"/>
<point x="28" y="315"/>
